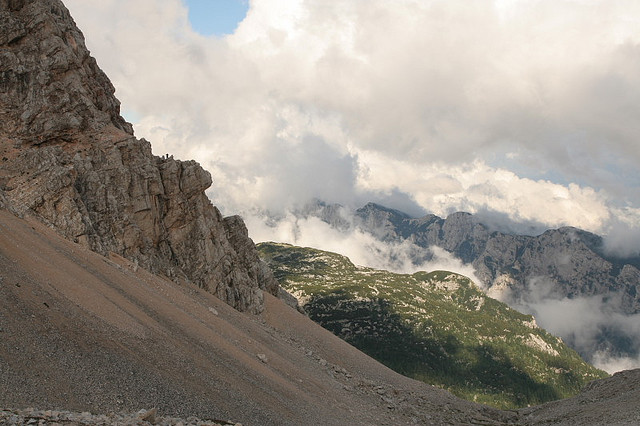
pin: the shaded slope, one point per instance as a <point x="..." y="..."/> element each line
<point x="437" y="327"/>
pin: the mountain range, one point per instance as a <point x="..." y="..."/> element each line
<point x="565" y="265"/>
<point x="573" y="259"/>
<point x="438" y="327"/>
<point x="123" y="288"/>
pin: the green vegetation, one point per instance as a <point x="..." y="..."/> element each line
<point x="437" y="327"/>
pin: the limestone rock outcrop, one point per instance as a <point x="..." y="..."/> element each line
<point x="564" y="263"/>
<point x="68" y="157"/>
<point x="572" y="258"/>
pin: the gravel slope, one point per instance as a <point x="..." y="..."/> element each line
<point x="91" y="334"/>
<point x="83" y="332"/>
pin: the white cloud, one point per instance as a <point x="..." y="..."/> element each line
<point x="623" y="233"/>
<point x="451" y="103"/>
<point x="612" y="364"/>
<point x="476" y="188"/>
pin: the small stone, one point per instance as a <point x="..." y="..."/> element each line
<point x="149" y="416"/>
<point x="262" y="357"/>
<point x="213" y="310"/>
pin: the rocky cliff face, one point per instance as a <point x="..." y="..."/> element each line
<point x="569" y="257"/>
<point x="68" y="157"/>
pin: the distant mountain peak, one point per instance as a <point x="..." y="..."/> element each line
<point x="369" y="207"/>
<point x="571" y="259"/>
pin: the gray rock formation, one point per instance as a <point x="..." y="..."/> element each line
<point x="68" y="157"/>
<point x="521" y="269"/>
<point x="570" y="257"/>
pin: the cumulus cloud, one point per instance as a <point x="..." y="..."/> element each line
<point x="612" y="364"/>
<point x="522" y="108"/>
<point x="623" y="235"/>
<point x="477" y="187"/>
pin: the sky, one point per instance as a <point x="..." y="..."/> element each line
<point x="216" y="17"/>
<point x="524" y="109"/>
<point x="524" y="112"/>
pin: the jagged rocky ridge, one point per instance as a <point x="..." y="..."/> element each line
<point x="570" y="257"/>
<point x="69" y="158"/>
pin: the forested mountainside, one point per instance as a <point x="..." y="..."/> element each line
<point x="438" y="327"/>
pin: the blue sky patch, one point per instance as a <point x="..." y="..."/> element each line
<point x="216" y="17"/>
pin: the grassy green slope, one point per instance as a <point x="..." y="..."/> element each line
<point x="437" y="327"/>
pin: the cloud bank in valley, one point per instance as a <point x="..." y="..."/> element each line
<point x="588" y="324"/>
<point x="361" y="247"/>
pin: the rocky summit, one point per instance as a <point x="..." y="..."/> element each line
<point x="69" y="158"/>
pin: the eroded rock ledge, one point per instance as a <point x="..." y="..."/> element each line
<point x="68" y="157"/>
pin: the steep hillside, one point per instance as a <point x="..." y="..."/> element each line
<point x="437" y="327"/>
<point x="71" y="160"/>
<point x="84" y="332"/>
